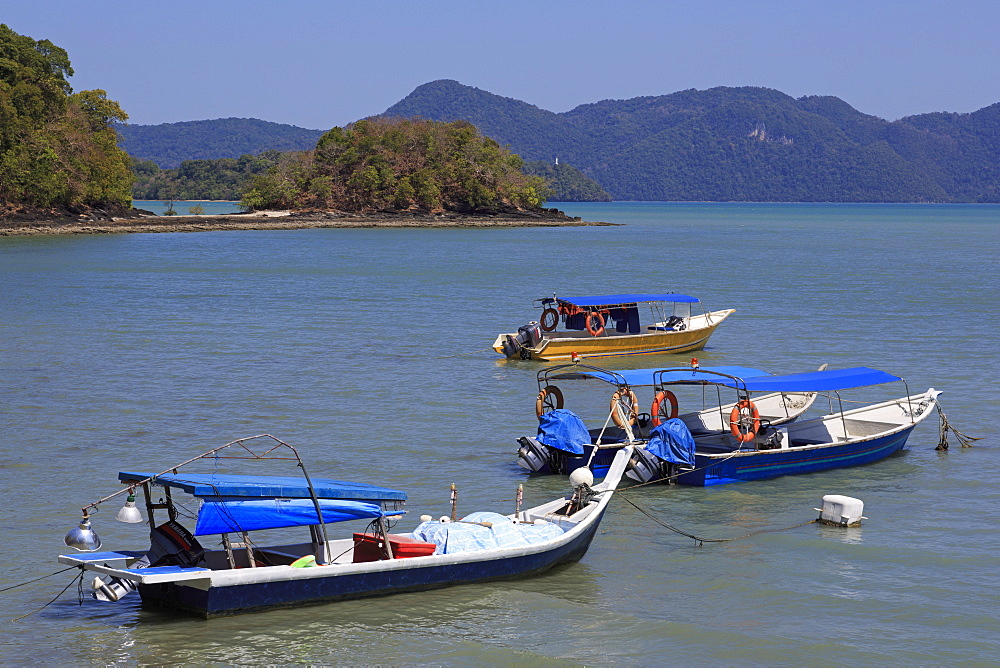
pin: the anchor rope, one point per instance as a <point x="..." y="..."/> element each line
<point x="964" y="439"/>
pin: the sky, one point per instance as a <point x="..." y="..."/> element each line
<point x="319" y="64"/>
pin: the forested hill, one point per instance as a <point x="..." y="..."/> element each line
<point x="169" y="144"/>
<point x="739" y="144"/>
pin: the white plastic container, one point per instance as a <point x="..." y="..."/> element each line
<point x="842" y="511"/>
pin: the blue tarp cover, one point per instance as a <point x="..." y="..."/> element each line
<point x="563" y="430"/>
<point x="455" y="537"/>
<point x="253" y="515"/>
<point x="613" y="300"/>
<point x="218" y="484"/>
<point x="672" y="442"/>
<point x="638" y="377"/>
<point x="815" y="381"/>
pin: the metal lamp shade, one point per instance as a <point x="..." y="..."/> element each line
<point x="83" y="538"/>
<point x="129" y="513"/>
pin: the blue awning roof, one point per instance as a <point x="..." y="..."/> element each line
<point x="639" y="377"/>
<point x="256" y="514"/>
<point x="614" y="300"/>
<point x="816" y="381"/>
<point x="212" y="484"/>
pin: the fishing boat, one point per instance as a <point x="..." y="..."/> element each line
<point x="564" y="442"/>
<point x="606" y="325"/>
<point x="752" y="449"/>
<point x="246" y="575"/>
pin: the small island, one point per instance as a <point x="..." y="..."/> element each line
<point x="64" y="173"/>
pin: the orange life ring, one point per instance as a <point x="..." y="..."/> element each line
<point x="595" y="330"/>
<point x="661" y="396"/>
<point x="549" y="398"/>
<point x="616" y="404"/>
<point x="737" y="419"/>
<point x="549" y="312"/>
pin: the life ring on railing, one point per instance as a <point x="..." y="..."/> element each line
<point x="550" y="398"/>
<point x="546" y="314"/>
<point x="598" y="329"/>
<point x="738" y="419"/>
<point x="618" y="400"/>
<point x="661" y="396"/>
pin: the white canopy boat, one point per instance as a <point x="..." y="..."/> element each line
<point x="745" y="451"/>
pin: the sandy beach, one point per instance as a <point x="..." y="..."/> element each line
<point x="282" y="220"/>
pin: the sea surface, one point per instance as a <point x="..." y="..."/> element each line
<point x="367" y="349"/>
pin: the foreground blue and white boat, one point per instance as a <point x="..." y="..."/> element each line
<point x="177" y="572"/>
<point x="839" y="439"/>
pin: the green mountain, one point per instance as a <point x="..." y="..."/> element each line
<point x="739" y="144"/>
<point x="169" y="144"/>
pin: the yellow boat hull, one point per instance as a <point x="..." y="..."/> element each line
<point x="560" y="346"/>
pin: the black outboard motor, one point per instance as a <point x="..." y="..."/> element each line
<point x="528" y="336"/>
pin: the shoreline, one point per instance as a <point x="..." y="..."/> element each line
<point x="284" y="220"/>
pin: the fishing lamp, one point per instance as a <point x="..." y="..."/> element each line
<point x="83" y="538"/>
<point x="129" y="513"/>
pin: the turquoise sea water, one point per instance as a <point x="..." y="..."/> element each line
<point x="137" y="351"/>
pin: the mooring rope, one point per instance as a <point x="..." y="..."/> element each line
<point x="964" y="439"/>
<point x="473" y="352"/>
<point x="62" y="570"/>
<point x="701" y="541"/>
<point x="76" y="580"/>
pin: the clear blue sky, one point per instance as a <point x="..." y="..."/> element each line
<point x="317" y="64"/>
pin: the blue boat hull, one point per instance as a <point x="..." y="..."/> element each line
<point x="709" y="470"/>
<point x="236" y="599"/>
<point x="566" y="463"/>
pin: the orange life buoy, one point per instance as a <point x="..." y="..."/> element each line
<point x="546" y="315"/>
<point x="618" y="400"/>
<point x="549" y="398"/>
<point x="598" y="329"/>
<point x="661" y="396"/>
<point x="738" y="419"/>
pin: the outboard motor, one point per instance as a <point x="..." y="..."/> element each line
<point x="532" y="333"/>
<point x="644" y="467"/>
<point x="528" y="336"/>
<point x="171" y="544"/>
<point x="532" y="455"/>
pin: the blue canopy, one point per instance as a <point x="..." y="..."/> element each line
<point x="815" y="381"/>
<point x="639" y="377"/>
<point x="613" y="300"/>
<point x="672" y="442"/>
<point x="222" y="516"/>
<point x="563" y="430"/>
<point x="217" y="484"/>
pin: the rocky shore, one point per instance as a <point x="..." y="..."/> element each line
<point x="120" y="222"/>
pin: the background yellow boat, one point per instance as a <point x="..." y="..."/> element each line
<point x="606" y="325"/>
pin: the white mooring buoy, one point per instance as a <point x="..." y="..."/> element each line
<point x="841" y="511"/>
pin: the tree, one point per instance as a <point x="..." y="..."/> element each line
<point x="56" y="147"/>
